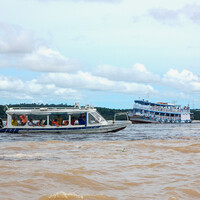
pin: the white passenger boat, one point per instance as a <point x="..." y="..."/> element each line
<point x="60" y="120"/>
<point x="149" y="112"/>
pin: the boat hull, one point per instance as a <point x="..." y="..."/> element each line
<point x="84" y="129"/>
<point x="136" y="119"/>
<point x="143" y="121"/>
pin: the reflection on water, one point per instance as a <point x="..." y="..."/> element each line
<point x="152" y="161"/>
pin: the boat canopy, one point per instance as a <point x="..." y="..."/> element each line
<point x="48" y="111"/>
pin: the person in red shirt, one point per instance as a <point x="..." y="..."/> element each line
<point x="55" y="122"/>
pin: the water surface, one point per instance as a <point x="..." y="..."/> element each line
<point x="152" y="161"/>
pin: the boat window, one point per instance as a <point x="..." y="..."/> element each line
<point x="18" y="120"/>
<point x="58" y="119"/>
<point x="92" y="119"/>
<point x="78" y="119"/>
<point x="95" y="117"/>
<point x="37" y="120"/>
<point x="65" y="119"/>
<point x="15" y="120"/>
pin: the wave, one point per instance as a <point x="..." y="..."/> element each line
<point x="69" y="196"/>
<point x="24" y="156"/>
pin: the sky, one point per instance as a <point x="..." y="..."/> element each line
<point x="104" y="53"/>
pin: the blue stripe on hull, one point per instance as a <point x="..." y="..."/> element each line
<point x="17" y="130"/>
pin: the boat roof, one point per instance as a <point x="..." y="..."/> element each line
<point x="143" y="102"/>
<point x="48" y="110"/>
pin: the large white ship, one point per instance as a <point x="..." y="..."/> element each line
<point x="148" y="112"/>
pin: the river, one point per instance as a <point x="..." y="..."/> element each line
<point x="141" y="162"/>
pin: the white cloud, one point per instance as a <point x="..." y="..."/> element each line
<point x="87" y="81"/>
<point x="137" y="73"/>
<point x="192" y="11"/>
<point x="184" y="76"/>
<point x="21" y="50"/>
<point x="13" y="88"/>
<point x="14" y="39"/>
<point x="165" y="16"/>
<point x="173" y="17"/>
<point x="66" y="86"/>
<point x="47" y="60"/>
<point x="42" y="59"/>
<point x="10" y="83"/>
<point x="184" y="81"/>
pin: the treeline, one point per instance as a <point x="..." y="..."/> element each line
<point x="107" y="113"/>
<point x="195" y="114"/>
<point x="2" y="112"/>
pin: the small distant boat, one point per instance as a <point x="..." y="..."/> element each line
<point x="160" y="112"/>
<point x="60" y="120"/>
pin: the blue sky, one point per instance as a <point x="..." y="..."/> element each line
<point x="101" y="52"/>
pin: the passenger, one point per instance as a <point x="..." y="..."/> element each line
<point x="23" y="119"/>
<point x="40" y="123"/>
<point x="55" y="123"/>
<point x="66" y="122"/>
<point x="76" y="122"/>
<point x="60" y="120"/>
<point x="31" y="123"/>
<point x="14" y="121"/>
<point x="81" y="120"/>
<point x="72" y="121"/>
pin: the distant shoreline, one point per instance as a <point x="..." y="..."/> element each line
<point x="107" y="113"/>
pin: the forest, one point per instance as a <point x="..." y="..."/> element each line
<point x="107" y="113"/>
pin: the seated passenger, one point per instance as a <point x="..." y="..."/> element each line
<point x="76" y="122"/>
<point x="14" y="121"/>
<point x="55" y="123"/>
<point x="30" y="123"/>
<point x="23" y="119"/>
<point x="81" y="120"/>
<point x="72" y="121"/>
<point x="40" y="123"/>
<point x="66" y="122"/>
<point x="59" y="120"/>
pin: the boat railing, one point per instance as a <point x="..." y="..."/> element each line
<point x="120" y="114"/>
<point x="162" y="109"/>
<point x="49" y="108"/>
<point x="39" y="108"/>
